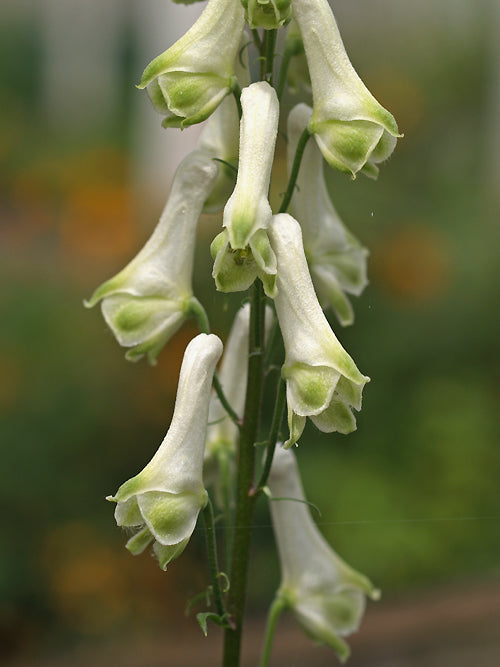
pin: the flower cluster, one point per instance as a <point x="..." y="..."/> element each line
<point x="299" y="260"/>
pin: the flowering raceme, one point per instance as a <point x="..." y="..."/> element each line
<point x="336" y="259"/>
<point x="189" y="80"/>
<point x="152" y="296"/>
<point x="322" y="381"/>
<point x="162" y="502"/>
<point x="242" y="251"/>
<point x="354" y="132"/>
<point x="326" y="596"/>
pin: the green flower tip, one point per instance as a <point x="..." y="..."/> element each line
<point x="267" y="14"/>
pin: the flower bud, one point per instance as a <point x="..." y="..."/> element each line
<point x="267" y="14"/>
<point x="189" y="80"/>
<point x="162" y="502"/>
<point x="326" y="596"/>
<point x="336" y="259"/>
<point x="243" y="251"/>
<point x="354" y="132"/>
<point x="322" y="381"/>
<point x="148" y="301"/>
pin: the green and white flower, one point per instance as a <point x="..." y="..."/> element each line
<point x="336" y="259"/>
<point x="163" y="501"/>
<point x="354" y="132"/>
<point x="326" y="596"/>
<point x="148" y="301"/>
<point x="322" y="381"/>
<point x="242" y="251"/>
<point x="189" y="80"/>
<point x="267" y="14"/>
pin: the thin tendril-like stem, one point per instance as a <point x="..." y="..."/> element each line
<point x="237" y="97"/>
<point x="304" y="137"/>
<point x="273" y="434"/>
<point x="225" y="403"/>
<point x="275" y="610"/>
<point x="270" y="46"/>
<point x="213" y="565"/>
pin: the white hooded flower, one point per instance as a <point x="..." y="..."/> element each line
<point x="322" y="381"/>
<point x="150" y="298"/>
<point x="162" y="502"/>
<point x="337" y="260"/>
<point x="353" y="131"/>
<point x="242" y="251"/>
<point x="326" y="596"/>
<point x="189" y="80"/>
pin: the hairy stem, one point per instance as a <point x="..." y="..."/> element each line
<point x="245" y="500"/>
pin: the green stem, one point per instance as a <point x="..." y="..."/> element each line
<point x="245" y="501"/>
<point x="256" y="39"/>
<point x="237" y="97"/>
<point x="225" y="403"/>
<point x="213" y="565"/>
<point x="196" y="310"/>
<point x="274" y="613"/>
<point x="273" y="434"/>
<point x="290" y="51"/>
<point x="270" y="47"/>
<point x="227" y="501"/>
<point x="304" y="137"/>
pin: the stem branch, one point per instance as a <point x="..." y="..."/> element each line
<point x="304" y="137"/>
<point x="213" y="565"/>
<point x="274" y="613"/>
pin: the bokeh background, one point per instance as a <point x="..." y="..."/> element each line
<point x="411" y="498"/>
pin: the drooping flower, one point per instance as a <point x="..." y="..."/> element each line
<point x="162" y="502"/>
<point x="242" y="251"/>
<point x="354" y="132"/>
<point x="147" y="302"/>
<point x="267" y="14"/>
<point x="326" y="596"/>
<point x="322" y="381"/>
<point x="336" y="259"/>
<point x="189" y="80"/>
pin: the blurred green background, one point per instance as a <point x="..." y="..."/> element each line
<point x="411" y="498"/>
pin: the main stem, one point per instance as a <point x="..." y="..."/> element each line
<point x="245" y="500"/>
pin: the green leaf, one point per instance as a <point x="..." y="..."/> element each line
<point x="221" y="621"/>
